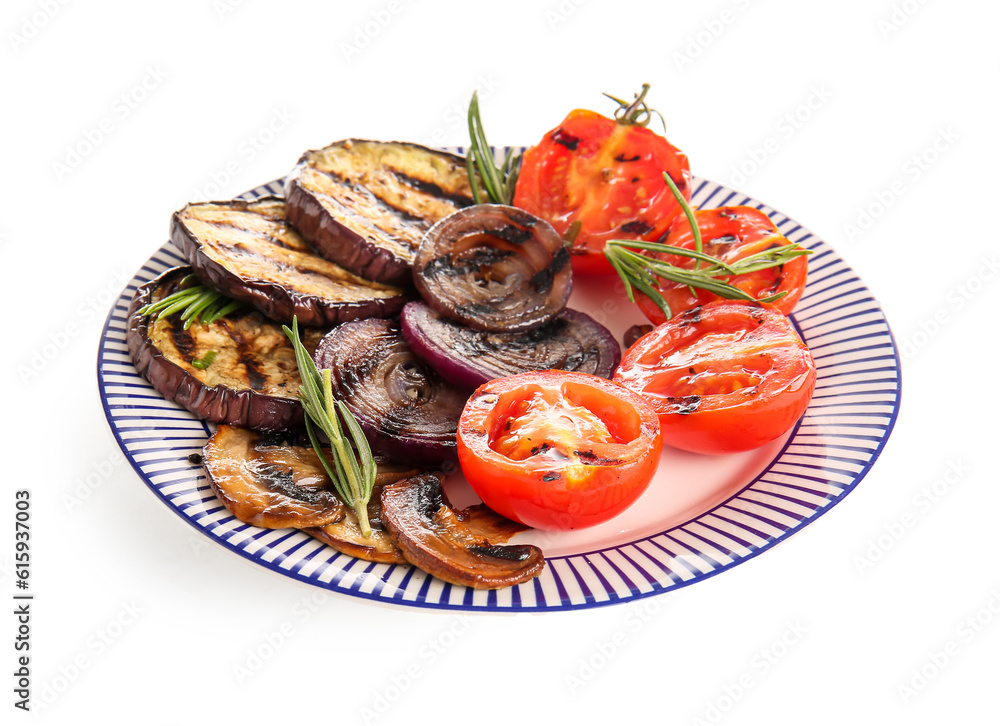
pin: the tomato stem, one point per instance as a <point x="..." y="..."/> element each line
<point x="636" y="112"/>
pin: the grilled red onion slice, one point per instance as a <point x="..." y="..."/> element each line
<point x="407" y="411"/>
<point x="493" y="267"/>
<point x="466" y="357"/>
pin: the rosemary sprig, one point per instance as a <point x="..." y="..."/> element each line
<point x="640" y="272"/>
<point x="352" y="469"/>
<point x="498" y="181"/>
<point x="196" y="304"/>
<point x="203" y="363"/>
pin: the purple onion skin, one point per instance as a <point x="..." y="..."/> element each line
<point x="420" y="325"/>
<point x="420" y="443"/>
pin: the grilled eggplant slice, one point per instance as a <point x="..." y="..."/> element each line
<point x="367" y="204"/>
<point x="248" y="251"/>
<point x="267" y="483"/>
<point x="252" y="379"/>
<point x="433" y="536"/>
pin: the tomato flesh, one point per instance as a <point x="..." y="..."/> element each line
<point x="558" y="450"/>
<point x="605" y="176"/>
<point x="728" y="234"/>
<point x="725" y="377"/>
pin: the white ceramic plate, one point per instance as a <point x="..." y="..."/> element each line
<point x="701" y="515"/>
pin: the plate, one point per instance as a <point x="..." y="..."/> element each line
<point x="701" y="516"/>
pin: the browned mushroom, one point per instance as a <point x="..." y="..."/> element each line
<point x="345" y="536"/>
<point x="484" y="522"/>
<point x="266" y="483"/>
<point x="434" y="537"/>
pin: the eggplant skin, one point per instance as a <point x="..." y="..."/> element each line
<point x="367" y="204"/>
<point x="176" y="381"/>
<point x="266" y="263"/>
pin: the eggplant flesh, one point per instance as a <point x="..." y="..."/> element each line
<point x="252" y="379"/>
<point x="367" y="204"/>
<point x="248" y="251"/>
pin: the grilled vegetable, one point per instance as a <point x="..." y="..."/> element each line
<point x="467" y="357"/>
<point x="366" y="204"/>
<point x="265" y="482"/>
<point x="743" y="258"/>
<point x="349" y="462"/>
<point x="433" y="536"/>
<point x="495" y="268"/>
<point x="248" y="251"/>
<point x="239" y="369"/>
<point x="558" y="450"/>
<point x="346" y="535"/>
<point x="725" y="377"/>
<point x="769" y="267"/>
<point x="596" y="179"/>
<point x="406" y="410"/>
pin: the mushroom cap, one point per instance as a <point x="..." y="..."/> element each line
<point x="436" y="538"/>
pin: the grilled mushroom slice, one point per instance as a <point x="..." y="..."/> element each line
<point x="248" y="251"/>
<point x="268" y="483"/>
<point x="366" y="204"/>
<point x="433" y="537"/>
<point x="484" y="522"/>
<point x="252" y="379"/>
<point x="345" y="536"/>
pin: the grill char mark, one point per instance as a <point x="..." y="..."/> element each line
<point x="186" y="346"/>
<point x="431" y="189"/>
<point x="257" y="379"/>
<point x="270" y="239"/>
<point x="412" y="219"/>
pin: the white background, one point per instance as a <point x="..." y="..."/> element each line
<point x="136" y="615"/>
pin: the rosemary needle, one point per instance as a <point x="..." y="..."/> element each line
<point x="640" y="272"/>
<point x="351" y="466"/>
<point x="498" y="181"/>
<point x="196" y="304"/>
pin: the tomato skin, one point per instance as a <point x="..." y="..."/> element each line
<point x="729" y="234"/>
<point x="558" y="450"/>
<point x="606" y="175"/>
<point x="725" y="377"/>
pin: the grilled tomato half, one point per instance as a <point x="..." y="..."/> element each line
<point x="558" y="450"/>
